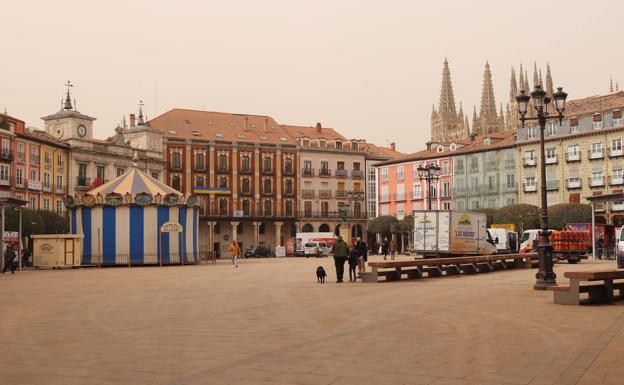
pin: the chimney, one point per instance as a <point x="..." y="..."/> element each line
<point x="319" y="128"/>
<point x="393" y="146"/>
<point x="246" y="126"/>
<point x="266" y="124"/>
<point x="132" y="120"/>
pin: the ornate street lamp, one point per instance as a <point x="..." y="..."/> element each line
<point x="545" y="275"/>
<point x="429" y="173"/>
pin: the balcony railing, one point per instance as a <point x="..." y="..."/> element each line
<point x="268" y="192"/>
<point x="357" y="173"/>
<point x="529" y="187"/>
<point x="307" y="171"/>
<point x="267" y="170"/>
<point x="82" y="181"/>
<point x="6" y="155"/>
<point x="613" y="152"/>
<point x="289" y="193"/>
<point x="47" y="187"/>
<point x="223" y="169"/>
<point x="289" y="171"/>
<point x="324" y="172"/>
<point x="490" y="165"/>
<point x="200" y="167"/>
<point x="245" y="170"/>
<point x="491" y="189"/>
<point x="616" y="180"/>
<point x="340" y="194"/>
<point x="341" y="173"/>
<point x="573" y="156"/>
<point x="596" y="181"/>
<point x="247" y="192"/>
<point x="528" y="162"/>
<point x="552" y="185"/>
<point x="595" y="154"/>
<point x="5" y="182"/>
<point x="34" y="159"/>
<point x="332" y="214"/>
<point x="574" y="183"/>
<point x="175" y="166"/>
<point x="513" y="188"/>
<point x="552" y="159"/>
<point x="21" y="157"/>
<point x="617" y="206"/>
<point x="324" y="193"/>
<point x="307" y="193"/>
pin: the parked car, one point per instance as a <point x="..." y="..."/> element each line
<point x="257" y="251"/>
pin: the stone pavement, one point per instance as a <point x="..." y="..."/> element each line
<point x="269" y="322"/>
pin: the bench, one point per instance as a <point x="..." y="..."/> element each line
<point x="599" y="286"/>
<point x="437" y="267"/>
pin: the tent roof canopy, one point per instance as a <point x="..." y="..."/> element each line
<point x="134" y="182"/>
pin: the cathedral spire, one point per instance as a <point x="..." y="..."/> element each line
<point x="611" y="85"/>
<point x="513" y="89"/>
<point x="521" y="80"/>
<point x="447" y="99"/>
<point x="541" y="80"/>
<point x="526" y="81"/>
<point x="549" y="83"/>
<point x="535" y="77"/>
<point x="488" y="103"/>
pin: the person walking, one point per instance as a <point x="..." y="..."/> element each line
<point x="392" y="249"/>
<point x="354" y="256"/>
<point x="384" y="248"/>
<point x="25" y="257"/>
<point x="235" y="251"/>
<point x="340" y="251"/>
<point x="600" y="247"/>
<point x="9" y="255"/>
<point x="363" y="249"/>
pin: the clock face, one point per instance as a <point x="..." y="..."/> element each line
<point x="57" y="130"/>
<point x="82" y="130"/>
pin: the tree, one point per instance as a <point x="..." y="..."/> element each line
<point x="522" y="215"/>
<point x="406" y="229"/>
<point x="383" y="225"/>
<point x="560" y="214"/>
<point x="54" y="223"/>
<point x="32" y="222"/>
<point x="489" y="213"/>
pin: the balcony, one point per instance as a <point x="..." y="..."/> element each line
<point x="223" y="169"/>
<point x="33" y="184"/>
<point x="307" y="171"/>
<point x="529" y="162"/>
<point x="574" y="183"/>
<point x="573" y="156"/>
<point x="82" y="182"/>
<point x="615" y="152"/>
<point x="552" y="159"/>
<point x="46" y="187"/>
<point x="513" y="188"/>
<point x="21" y="157"/>
<point x="492" y="190"/>
<point x="490" y="165"/>
<point x="324" y="193"/>
<point x="616" y="180"/>
<point x="34" y="160"/>
<point x="307" y="193"/>
<point x="357" y="173"/>
<point x="245" y="170"/>
<point x="617" y="206"/>
<point x="596" y="181"/>
<point x="200" y="168"/>
<point x="6" y="155"/>
<point x="267" y="171"/>
<point x="331" y="214"/>
<point x="595" y="154"/>
<point x="247" y="192"/>
<point x="289" y="193"/>
<point x="510" y="164"/>
<point x="289" y="171"/>
<point x="552" y="185"/>
<point x="340" y="194"/>
<point x="341" y="173"/>
<point x="324" y="172"/>
<point x="529" y="187"/>
<point x="268" y="192"/>
<point x="5" y="182"/>
<point x="175" y="166"/>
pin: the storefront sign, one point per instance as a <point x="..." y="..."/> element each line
<point x="171" y="227"/>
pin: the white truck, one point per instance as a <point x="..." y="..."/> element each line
<point x="314" y="244"/>
<point x="450" y="233"/>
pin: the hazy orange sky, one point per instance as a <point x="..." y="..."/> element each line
<point x="370" y="69"/>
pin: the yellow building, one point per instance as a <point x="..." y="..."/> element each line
<point x="54" y="174"/>
<point x="584" y="155"/>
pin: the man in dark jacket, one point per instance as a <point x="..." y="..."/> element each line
<point x="363" y="249"/>
<point x="340" y="250"/>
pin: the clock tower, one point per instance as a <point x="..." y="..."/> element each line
<point x="69" y="124"/>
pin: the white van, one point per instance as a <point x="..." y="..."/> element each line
<point x="501" y="241"/>
<point x="315" y="249"/>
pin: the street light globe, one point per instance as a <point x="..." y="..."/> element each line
<point x="560" y="98"/>
<point x="523" y="102"/>
<point x="538" y="96"/>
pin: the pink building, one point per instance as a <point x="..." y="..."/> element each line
<point x="400" y="189"/>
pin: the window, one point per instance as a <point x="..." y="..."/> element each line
<point x="596" y="178"/>
<point x="267" y="186"/>
<point x="445" y="168"/>
<point x="400" y="195"/>
<point x="459" y="166"/>
<point x="616" y="145"/>
<point x="200" y="161"/>
<point x="59" y="160"/>
<point x="267" y="164"/>
<point x="551" y="129"/>
<point x="616" y="174"/>
<point x="175" y="182"/>
<point x="223" y="162"/>
<point x="245" y="163"/>
<point x="446" y="205"/>
<point x="34" y="155"/>
<point x="268" y="207"/>
<point x="617" y="119"/>
<point x="414" y="171"/>
<point x="574" y="125"/>
<point x="340" y="165"/>
<point x="325" y="168"/>
<point x="573" y="152"/>
<point x="19" y="177"/>
<point x="511" y="181"/>
<point x="34" y="174"/>
<point x="120" y="171"/>
<point x="246" y="207"/>
<point x="5" y="173"/>
<point x="176" y="160"/>
<point x="338" y="145"/>
<point x="551" y="154"/>
<point x="46" y="159"/>
<point x="288" y="208"/>
<point x="223" y="206"/>
<point x="307" y="166"/>
<point x="82" y="174"/>
<point x="155" y="175"/>
<point x="400" y="173"/>
<point x="288" y="165"/>
<point x="199" y="181"/>
<point x="356" y="166"/>
<point x="416" y="191"/>
<point x="354" y="146"/>
<point x="21" y="153"/>
<point x="288" y="186"/>
<point x="384" y="174"/>
<point x="433" y="190"/>
<point x="530" y="132"/>
<point x="305" y="142"/>
<point x="101" y="171"/>
<point x="322" y="143"/>
<point x="529" y="157"/>
<point x="46" y="204"/>
<point x="59" y="183"/>
<point x="597" y="121"/>
<point x="33" y="203"/>
<point x="384" y="194"/>
<point x="474" y="164"/>
<point x="459" y="205"/>
<point x="223" y="182"/>
<point x="529" y="181"/>
<point x="6" y="149"/>
<point x="596" y="148"/>
<point x="400" y="211"/>
<point x="59" y="207"/>
<point x="446" y="190"/>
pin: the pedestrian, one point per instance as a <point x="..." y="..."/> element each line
<point x="354" y="256"/>
<point x="235" y="251"/>
<point x="25" y="257"/>
<point x="599" y="247"/>
<point x="384" y="248"/>
<point x="392" y="249"/>
<point x="9" y="255"/>
<point x="363" y="249"/>
<point x="340" y="251"/>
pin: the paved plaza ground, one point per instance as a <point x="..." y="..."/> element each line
<point x="269" y="322"/>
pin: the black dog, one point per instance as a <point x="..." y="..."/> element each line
<point x="320" y="274"/>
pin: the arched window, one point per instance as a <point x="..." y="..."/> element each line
<point x="245" y="163"/>
<point x="267" y="186"/>
<point x="200" y="161"/>
<point x="223" y="182"/>
<point x="324" y="228"/>
<point x="307" y="228"/>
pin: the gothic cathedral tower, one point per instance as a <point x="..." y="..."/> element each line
<point x="447" y="124"/>
<point x="488" y="121"/>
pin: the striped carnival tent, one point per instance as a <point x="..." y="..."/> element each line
<point x="122" y="220"/>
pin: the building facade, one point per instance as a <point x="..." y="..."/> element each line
<point x="332" y="176"/>
<point x="247" y="167"/>
<point x="584" y="155"/>
<point x="485" y="173"/>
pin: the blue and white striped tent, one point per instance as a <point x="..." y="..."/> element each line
<point x="121" y="222"/>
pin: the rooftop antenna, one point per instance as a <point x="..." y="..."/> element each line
<point x="141" y="122"/>
<point x="68" y="103"/>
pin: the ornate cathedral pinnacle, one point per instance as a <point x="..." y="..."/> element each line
<point x="549" y="82"/>
<point x="535" y="77"/>
<point x="447" y="99"/>
<point x="611" y="85"/>
<point x="521" y="81"/>
<point x="446" y="123"/>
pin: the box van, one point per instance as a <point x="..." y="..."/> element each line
<point x="326" y="240"/>
<point x="504" y="240"/>
<point x="316" y="249"/>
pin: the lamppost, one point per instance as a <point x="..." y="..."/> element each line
<point x="429" y="173"/>
<point x="545" y="275"/>
<point x="19" y="237"/>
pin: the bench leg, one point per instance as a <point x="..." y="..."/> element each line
<point x="413" y="273"/>
<point x="373" y="276"/>
<point x="567" y="297"/>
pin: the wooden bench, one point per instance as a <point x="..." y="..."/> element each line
<point x="599" y="286"/>
<point x="437" y="267"/>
